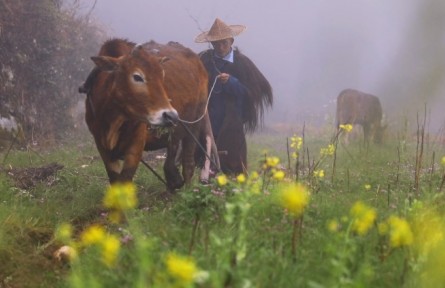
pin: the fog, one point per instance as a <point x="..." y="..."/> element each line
<point x="310" y="50"/>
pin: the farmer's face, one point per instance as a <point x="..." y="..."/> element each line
<point x="222" y="47"/>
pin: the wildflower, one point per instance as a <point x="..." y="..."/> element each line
<point x="294" y="155"/>
<point x="347" y="127"/>
<point x="329" y="151"/>
<point x="272" y="161"/>
<point x="64" y="232"/>
<point x="333" y="225"/>
<point x="222" y="180"/>
<point x="442" y="161"/>
<point x="254" y="175"/>
<point x="400" y="233"/>
<point x="255" y="188"/>
<point x="367" y="186"/>
<point x="429" y="228"/>
<point x="319" y="173"/>
<point x="296" y="142"/>
<point x="92" y="235"/>
<point x="278" y="175"/>
<point x="182" y="268"/>
<point x="294" y="198"/>
<point x="110" y="249"/>
<point x="363" y="217"/>
<point x="121" y="196"/>
<point x="241" y="178"/>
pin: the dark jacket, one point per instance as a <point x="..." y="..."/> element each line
<point x="236" y="106"/>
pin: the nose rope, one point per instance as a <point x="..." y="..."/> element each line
<point x="207" y="105"/>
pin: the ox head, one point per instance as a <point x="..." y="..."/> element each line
<point x="138" y="88"/>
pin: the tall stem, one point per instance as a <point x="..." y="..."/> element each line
<point x="195" y="228"/>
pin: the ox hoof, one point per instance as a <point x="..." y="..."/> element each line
<point x="204" y="182"/>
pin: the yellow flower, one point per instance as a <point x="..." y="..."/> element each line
<point x="222" y="180"/>
<point x="296" y="142"/>
<point x="278" y="175"/>
<point x="429" y="228"/>
<point x="92" y="235"/>
<point x="272" y="161"/>
<point x="319" y="173"/>
<point x="110" y="249"/>
<point x="400" y="233"/>
<point x="254" y="175"/>
<point x="442" y="161"/>
<point x="255" y="188"/>
<point x="329" y="151"/>
<point x="64" y="232"/>
<point x="109" y="244"/>
<point x="294" y="155"/>
<point x="363" y="217"/>
<point x="121" y="196"/>
<point x="294" y="198"/>
<point x="333" y="225"/>
<point x="347" y="128"/>
<point x="241" y="178"/>
<point x="367" y="186"/>
<point x="429" y="241"/>
<point x="182" y="268"/>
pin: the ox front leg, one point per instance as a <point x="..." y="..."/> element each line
<point x="132" y="157"/>
<point x="205" y="171"/>
<point x="122" y="170"/>
<point x="114" y="169"/>
<point x="172" y="176"/>
<point x="112" y="166"/>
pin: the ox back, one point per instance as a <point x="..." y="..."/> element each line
<point x="358" y="108"/>
<point x="133" y="94"/>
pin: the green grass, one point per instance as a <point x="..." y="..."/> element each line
<point x="159" y="225"/>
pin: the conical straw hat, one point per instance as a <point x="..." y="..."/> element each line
<point x="220" y="31"/>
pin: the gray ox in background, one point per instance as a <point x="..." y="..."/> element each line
<point x="359" y="108"/>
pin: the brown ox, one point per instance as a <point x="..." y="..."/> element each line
<point x="355" y="107"/>
<point x="133" y="90"/>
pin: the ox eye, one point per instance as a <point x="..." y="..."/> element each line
<point x="138" y="78"/>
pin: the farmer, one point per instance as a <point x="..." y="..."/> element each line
<point x="239" y="94"/>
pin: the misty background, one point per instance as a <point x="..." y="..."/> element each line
<point x="310" y="50"/>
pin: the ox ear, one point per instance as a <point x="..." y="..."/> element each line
<point x="163" y="59"/>
<point x="105" y="63"/>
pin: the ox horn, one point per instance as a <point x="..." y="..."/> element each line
<point x="163" y="59"/>
<point x="136" y="49"/>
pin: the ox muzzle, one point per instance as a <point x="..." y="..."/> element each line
<point x="170" y="118"/>
<point x="163" y="118"/>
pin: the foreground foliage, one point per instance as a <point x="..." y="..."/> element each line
<point x="310" y="213"/>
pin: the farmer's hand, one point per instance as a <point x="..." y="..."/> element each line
<point x="224" y="77"/>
